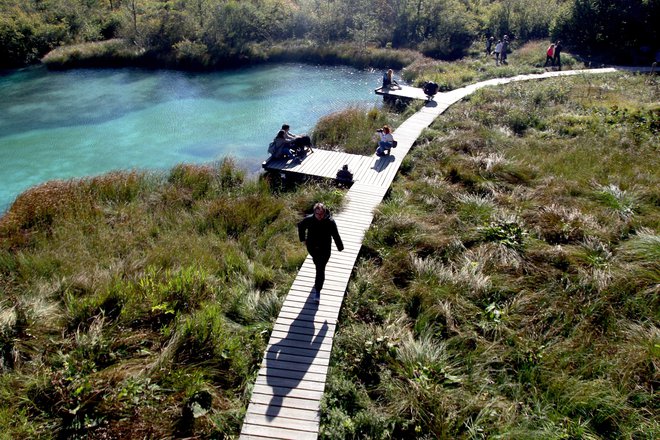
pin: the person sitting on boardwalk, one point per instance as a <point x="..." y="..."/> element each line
<point x="280" y="147"/>
<point x="549" y="55"/>
<point x="344" y="176"/>
<point x="317" y="231"/>
<point x="388" y="80"/>
<point x="385" y="140"/>
<point x="299" y="142"/>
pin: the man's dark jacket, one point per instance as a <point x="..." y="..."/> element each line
<point x="318" y="234"/>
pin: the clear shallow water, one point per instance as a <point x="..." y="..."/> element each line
<point x="60" y="125"/>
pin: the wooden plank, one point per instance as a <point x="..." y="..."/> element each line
<point x="300" y="394"/>
<point x="295" y="366"/>
<point x="286" y="412"/>
<point x="282" y="422"/>
<point x="300" y="359"/>
<point x="294" y="308"/>
<point x="285" y="378"/>
<point x="292" y="326"/>
<point x="268" y="404"/>
<point x="276" y="349"/>
<point x="307" y="318"/>
<point x="251" y="431"/>
<point x="292" y="381"/>
<point x="320" y="345"/>
<point x="297" y="328"/>
<point x="406" y="92"/>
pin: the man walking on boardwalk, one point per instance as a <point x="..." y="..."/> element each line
<point x="317" y="231"/>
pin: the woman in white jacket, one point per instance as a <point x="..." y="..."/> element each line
<point x="386" y="140"/>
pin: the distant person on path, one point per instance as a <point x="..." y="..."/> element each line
<point x="388" y="80"/>
<point x="505" y="48"/>
<point x="549" y="55"/>
<point x="386" y="140"/>
<point x="498" y="50"/>
<point x="298" y="141"/>
<point x="317" y="231"/>
<point x="489" y="45"/>
<point x="556" y="60"/>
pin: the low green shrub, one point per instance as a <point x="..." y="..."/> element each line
<point x="351" y="130"/>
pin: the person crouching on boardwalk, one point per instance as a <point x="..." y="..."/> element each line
<point x="317" y="231"/>
<point x="385" y="140"/>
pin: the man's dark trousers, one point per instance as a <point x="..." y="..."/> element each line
<point x="320" y="261"/>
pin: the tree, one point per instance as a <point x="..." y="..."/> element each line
<point x="621" y="29"/>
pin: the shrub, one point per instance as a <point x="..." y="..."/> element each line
<point x="506" y="232"/>
<point x="208" y="340"/>
<point x="118" y="187"/>
<point x="196" y="179"/>
<point x="349" y="130"/>
<point x="40" y="207"/>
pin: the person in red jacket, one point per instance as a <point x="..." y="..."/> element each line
<point x="317" y="231"/>
<point x="549" y="55"/>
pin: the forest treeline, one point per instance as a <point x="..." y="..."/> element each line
<point x="210" y="33"/>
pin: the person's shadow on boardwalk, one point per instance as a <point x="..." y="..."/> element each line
<point x="382" y="162"/>
<point x="288" y="360"/>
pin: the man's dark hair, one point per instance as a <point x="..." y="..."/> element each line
<point x="285" y="127"/>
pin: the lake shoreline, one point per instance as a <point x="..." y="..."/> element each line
<point x="166" y="117"/>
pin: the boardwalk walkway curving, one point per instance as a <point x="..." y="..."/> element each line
<point x="286" y="396"/>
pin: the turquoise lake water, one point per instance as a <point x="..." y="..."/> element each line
<point x="61" y="125"/>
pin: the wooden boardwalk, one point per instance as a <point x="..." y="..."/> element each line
<point x="286" y="396"/>
<point x="402" y="92"/>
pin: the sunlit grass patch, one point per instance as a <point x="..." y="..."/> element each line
<point x="475" y="209"/>
<point x="115" y="51"/>
<point x="526" y="59"/>
<point x="558" y="224"/>
<point x="622" y="202"/>
<point x="225" y="351"/>
<point x="534" y="275"/>
<point x="351" y="130"/>
<point x="644" y="247"/>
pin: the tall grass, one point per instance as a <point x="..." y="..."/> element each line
<point x="138" y="304"/>
<point x="517" y="259"/>
<point x="525" y="59"/>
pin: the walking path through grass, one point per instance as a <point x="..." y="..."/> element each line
<point x="286" y="396"/>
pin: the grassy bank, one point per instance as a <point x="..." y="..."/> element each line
<point x="188" y="56"/>
<point x="509" y="286"/>
<point x="139" y="305"/>
<point x="476" y="66"/>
